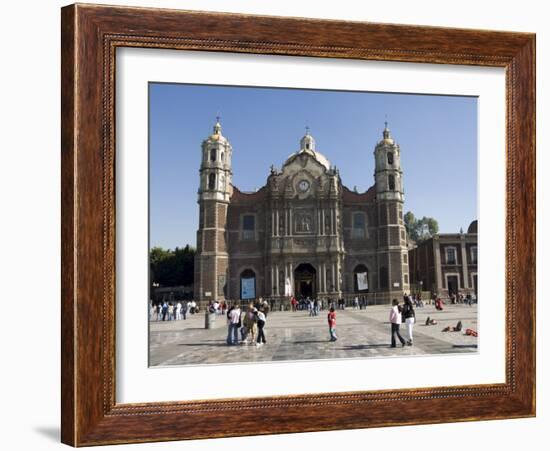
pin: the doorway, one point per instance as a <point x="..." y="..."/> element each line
<point x="452" y="285"/>
<point x="305" y="281"/>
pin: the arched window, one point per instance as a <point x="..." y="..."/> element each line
<point x="212" y="154"/>
<point x="211" y="181"/>
<point x="222" y="156"/>
<point x="391" y="182"/>
<point x="249" y="227"/>
<point x="390" y="158"/>
<point x="358" y="225"/>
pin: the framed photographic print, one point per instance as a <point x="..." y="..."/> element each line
<point x="319" y="224"/>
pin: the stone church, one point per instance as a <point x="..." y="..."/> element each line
<point x="304" y="233"/>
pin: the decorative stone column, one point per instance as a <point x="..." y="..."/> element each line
<point x="277" y="280"/>
<point x="464" y="262"/>
<point x="333" y="265"/>
<point x="437" y="264"/>
<point x="289" y="221"/>
<point x="324" y="276"/>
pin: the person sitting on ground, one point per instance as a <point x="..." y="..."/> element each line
<point x="439" y="304"/>
<point x="456" y="328"/>
<point x="430" y="322"/>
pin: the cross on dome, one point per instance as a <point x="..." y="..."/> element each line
<point x="217" y="126"/>
<point x="307" y="142"/>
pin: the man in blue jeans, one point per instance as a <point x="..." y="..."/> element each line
<point x="234" y="323"/>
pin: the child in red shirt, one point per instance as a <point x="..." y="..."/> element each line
<point x="332" y="324"/>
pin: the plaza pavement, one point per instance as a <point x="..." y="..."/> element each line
<point x="297" y="336"/>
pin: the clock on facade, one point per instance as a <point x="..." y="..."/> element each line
<point x="303" y="186"/>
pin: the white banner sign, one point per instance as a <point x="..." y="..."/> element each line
<point x="362" y="281"/>
<point x="248" y="288"/>
<point x="288" y="287"/>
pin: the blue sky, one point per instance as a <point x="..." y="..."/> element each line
<point x="437" y="136"/>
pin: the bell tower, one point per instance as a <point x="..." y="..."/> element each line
<point x="215" y="189"/>
<point x="393" y="273"/>
<point x="388" y="173"/>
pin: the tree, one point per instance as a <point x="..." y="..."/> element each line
<point x="172" y="267"/>
<point x="410" y="226"/>
<point x="420" y="229"/>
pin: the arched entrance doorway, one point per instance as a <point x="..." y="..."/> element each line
<point x="305" y="281"/>
<point x="361" y="279"/>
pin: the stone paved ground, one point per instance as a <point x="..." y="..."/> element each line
<point x="297" y="336"/>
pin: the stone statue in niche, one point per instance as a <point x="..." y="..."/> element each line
<point x="304" y="223"/>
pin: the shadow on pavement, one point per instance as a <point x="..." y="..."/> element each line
<point x="359" y="347"/>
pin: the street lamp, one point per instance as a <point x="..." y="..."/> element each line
<point x="154" y="285"/>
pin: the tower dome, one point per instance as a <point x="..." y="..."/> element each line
<point x="216" y="135"/>
<point x="307" y="146"/>
<point x="386" y="136"/>
<point x="307" y="142"/>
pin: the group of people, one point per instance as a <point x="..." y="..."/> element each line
<point x="172" y="311"/>
<point x="317" y="305"/>
<point x="461" y="299"/>
<point x="399" y="314"/>
<point x="313" y="306"/>
<point x="217" y="307"/>
<point x="247" y="326"/>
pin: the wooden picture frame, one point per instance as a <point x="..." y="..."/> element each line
<point x="90" y="36"/>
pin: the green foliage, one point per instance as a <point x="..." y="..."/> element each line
<point x="172" y="267"/>
<point x="420" y="229"/>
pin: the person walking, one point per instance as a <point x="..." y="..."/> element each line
<point x="331" y="317"/>
<point x="265" y="307"/>
<point x="170" y="311"/>
<point x="395" y="320"/>
<point x="409" y="316"/>
<point x="184" y="310"/>
<point x="261" y="319"/>
<point x="233" y="325"/>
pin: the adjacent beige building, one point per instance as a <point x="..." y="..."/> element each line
<point x="446" y="263"/>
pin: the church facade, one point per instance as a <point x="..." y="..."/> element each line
<point x="304" y="233"/>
